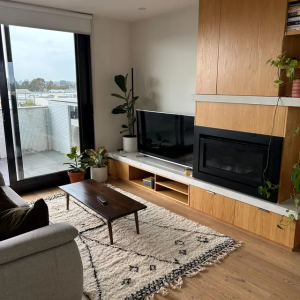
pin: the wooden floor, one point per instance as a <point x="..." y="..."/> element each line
<point x="258" y="270"/>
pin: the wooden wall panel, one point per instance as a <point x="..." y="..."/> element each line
<point x="208" y="46"/>
<point x="215" y="205"/>
<point x="263" y="223"/>
<point x="290" y="153"/>
<point x="241" y="117"/>
<point x="118" y="169"/>
<point x="250" y="33"/>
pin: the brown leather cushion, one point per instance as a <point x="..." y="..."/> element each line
<point x="19" y="220"/>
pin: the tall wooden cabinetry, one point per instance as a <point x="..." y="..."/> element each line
<point x="236" y="38"/>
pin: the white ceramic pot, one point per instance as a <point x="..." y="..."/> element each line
<point x="130" y="143"/>
<point x="99" y="174"/>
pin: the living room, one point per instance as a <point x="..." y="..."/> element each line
<point x="149" y="149"/>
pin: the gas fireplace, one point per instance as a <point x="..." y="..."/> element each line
<point x="236" y="160"/>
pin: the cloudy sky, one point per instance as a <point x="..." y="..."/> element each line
<point x="42" y="53"/>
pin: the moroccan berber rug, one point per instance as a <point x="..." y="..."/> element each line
<point x="168" y="248"/>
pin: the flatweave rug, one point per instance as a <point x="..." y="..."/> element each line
<point x="168" y="248"/>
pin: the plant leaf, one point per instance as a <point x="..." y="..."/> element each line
<point x="124" y="126"/>
<point x="118" y="111"/>
<point x="279" y="227"/>
<point x="121" y="82"/>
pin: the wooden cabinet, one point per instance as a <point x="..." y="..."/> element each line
<point x="232" y="60"/>
<point x="208" y="46"/>
<point x="215" y="205"/>
<point x="264" y="223"/>
<point x="242" y="117"/>
<point x="118" y="169"/>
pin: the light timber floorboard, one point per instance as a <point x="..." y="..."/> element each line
<point x="257" y="270"/>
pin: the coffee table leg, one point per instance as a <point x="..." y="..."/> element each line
<point x="68" y="200"/>
<point x="110" y="232"/>
<point x="137" y="223"/>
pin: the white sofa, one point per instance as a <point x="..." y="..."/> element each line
<point x="43" y="264"/>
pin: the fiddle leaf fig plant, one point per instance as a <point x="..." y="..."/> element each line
<point x="128" y="106"/>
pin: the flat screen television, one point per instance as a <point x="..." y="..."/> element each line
<point x="166" y="136"/>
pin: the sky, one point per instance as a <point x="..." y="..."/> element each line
<point x="42" y="53"/>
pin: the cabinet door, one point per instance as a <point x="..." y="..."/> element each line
<point x="264" y="223"/>
<point x="250" y="33"/>
<point x="214" y="205"/>
<point x="208" y="44"/>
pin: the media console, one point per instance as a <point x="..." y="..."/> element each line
<point x="246" y="212"/>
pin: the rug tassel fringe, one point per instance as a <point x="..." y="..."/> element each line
<point x="178" y="282"/>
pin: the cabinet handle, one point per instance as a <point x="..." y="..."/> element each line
<point x="264" y="210"/>
<point x="211" y="192"/>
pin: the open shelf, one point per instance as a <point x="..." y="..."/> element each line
<point x="175" y="196"/>
<point x="293" y="33"/>
<point x="174" y="185"/>
<point x="139" y="182"/>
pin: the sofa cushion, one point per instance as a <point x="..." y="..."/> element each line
<point x="19" y="220"/>
<point x="5" y="202"/>
<point x="12" y="195"/>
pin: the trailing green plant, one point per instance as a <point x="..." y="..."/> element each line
<point x="77" y="165"/>
<point x="127" y="107"/>
<point x="285" y="65"/>
<point x="295" y="178"/>
<point x="96" y="158"/>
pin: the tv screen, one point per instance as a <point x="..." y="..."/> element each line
<point x="166" y="136"/>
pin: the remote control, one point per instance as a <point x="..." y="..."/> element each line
<point x="102" y="200"/>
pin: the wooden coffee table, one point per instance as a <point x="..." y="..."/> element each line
<point x="118" y="205"/>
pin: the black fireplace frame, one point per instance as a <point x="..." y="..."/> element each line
<point x="247" y="140"/>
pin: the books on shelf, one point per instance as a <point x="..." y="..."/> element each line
<point x="294" y="3"/>
<point x="293" y="21"/>
<point x="292" y="28"/>
<point x="294" y="14"/>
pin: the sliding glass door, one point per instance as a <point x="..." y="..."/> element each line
<point x="40" y="101"/>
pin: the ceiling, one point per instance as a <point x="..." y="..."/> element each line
<point x="126" y="10"/>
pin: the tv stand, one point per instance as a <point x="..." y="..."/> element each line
<point x="229" y="206"/>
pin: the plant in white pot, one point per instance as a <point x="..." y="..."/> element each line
<point x="97" y="160"/>
<point x="129" y="140"/>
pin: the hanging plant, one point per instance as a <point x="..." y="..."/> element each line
<point x="287" y="66"/>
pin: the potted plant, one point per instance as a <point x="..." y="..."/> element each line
<point x="77" y="167"/>
<point x="286" y="65"/>
<point x="129" y="140"/>
<point x="97" y="161"/>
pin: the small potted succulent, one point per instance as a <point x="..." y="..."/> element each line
<point x="77" y="167"/>
<point x="97" y="161"/>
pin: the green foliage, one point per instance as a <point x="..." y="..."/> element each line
<point x="97" y="158"/>
<point x="78" y="165"/>
<point x="127" y="107"/>
<point x="265" y="191"/>
<point x="29" y="102"/>
<point x="285" y="65"/>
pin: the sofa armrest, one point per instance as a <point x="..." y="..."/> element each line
<point x="2" y="182"/>
<point x="36" y="241"/>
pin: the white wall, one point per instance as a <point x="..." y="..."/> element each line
<point x="111" y="55"/>
<point x="164" y="52"/>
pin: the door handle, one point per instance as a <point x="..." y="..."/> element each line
<point x="210" y="192"/>
<point x="265" y="210"/>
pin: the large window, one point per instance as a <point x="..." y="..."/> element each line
<point x="41" y="69"/>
